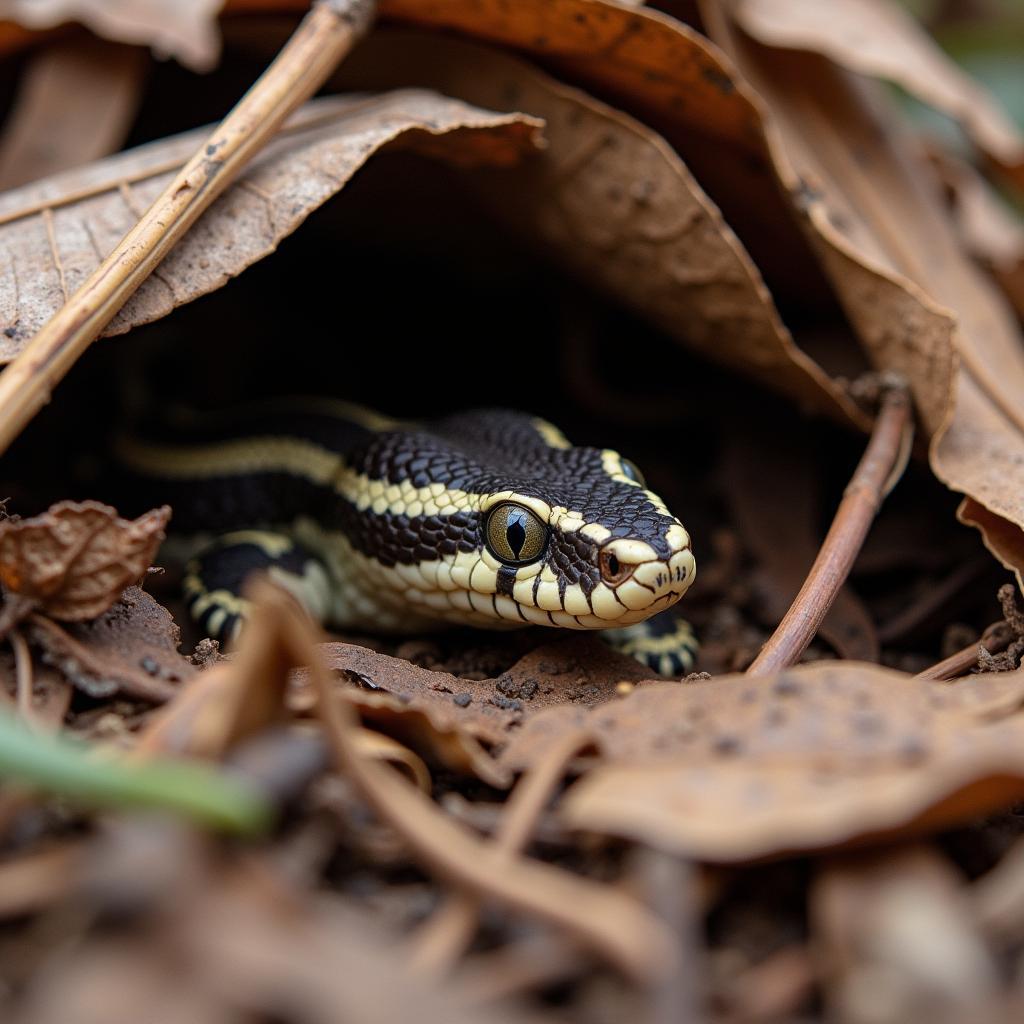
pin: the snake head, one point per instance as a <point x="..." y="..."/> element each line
<point x="609" y="554"/>
<point x="528" y="529"/>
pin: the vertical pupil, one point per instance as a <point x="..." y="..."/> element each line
<point x="613" y="565"/>
<point x="515" y="533"/>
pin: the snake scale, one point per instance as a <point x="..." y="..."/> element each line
<point x="488" y="518"/>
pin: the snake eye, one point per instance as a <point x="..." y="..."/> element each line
<point x="630" y="470"/>
<point x="515" y="535"/>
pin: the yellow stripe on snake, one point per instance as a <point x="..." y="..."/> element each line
<point x="489" y="518"/>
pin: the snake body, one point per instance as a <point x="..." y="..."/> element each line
<point x="488" y="518"/>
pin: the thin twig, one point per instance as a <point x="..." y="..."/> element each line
<point x="874" y="474"/>
<point x="596" y="915"/>
<point x="23" y="675"/>
<point x="323" y="38"/>
<point x="995" y="639"/>
<point x="440" y="942"/>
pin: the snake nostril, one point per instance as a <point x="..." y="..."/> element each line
<point x="613" y="570"/>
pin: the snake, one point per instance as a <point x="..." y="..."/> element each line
<point x="487" y="518"/>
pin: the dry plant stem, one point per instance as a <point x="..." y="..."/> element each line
<point x="995" y="639"/>
<point x="23" y="675"/>
<point x="599" y="917"/>
<point x="843" y="542"/>
<point x="322" y="39"/>
<point x="444" y="937"/>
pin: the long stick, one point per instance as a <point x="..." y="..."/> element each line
<point x="323" y="38"/>
<point x="863" y="496"/>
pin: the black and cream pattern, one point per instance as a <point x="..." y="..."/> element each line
<point x="382" y="525"/>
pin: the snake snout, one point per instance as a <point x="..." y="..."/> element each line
<point x="641" y="578"/>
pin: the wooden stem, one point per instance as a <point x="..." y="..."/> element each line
<point x="322" y="39"/>
<point x="995" y="639"/>
<point x="874" y="474"/>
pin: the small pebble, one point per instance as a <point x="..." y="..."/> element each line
<point x="463" y="699"/>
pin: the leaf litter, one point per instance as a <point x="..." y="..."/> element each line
<point x="478" y="832"/>
<point x="56" y="232"/>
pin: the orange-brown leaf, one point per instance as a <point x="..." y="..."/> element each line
<point x="74" y="561"/>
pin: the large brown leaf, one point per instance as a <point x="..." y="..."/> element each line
<point x="920" y="306"/>
<point x="611" y="200"/>
<point x="75" y="103"/>
<point x="821" y="756"/>
<point x="55" y="232"/>
<point x="879" y="38"/>
<point x="185" y="29"/>
<point x="651" y="61"/>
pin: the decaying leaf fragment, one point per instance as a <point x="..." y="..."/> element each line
<point x="73" y="561"/>
<point x="453" y="721"/>
<point x="131" y="649"/>
<point x="818" y="757"/>
<point x="987" y="225"/>
<point x="879" y="38"/>
<point x="185" y="29"/>
<point x="75" y="103"/>
<point x="54" y="233"/>
<point x="919" y="305"/>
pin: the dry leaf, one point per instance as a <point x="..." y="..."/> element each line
<point x="75" y="103"/>
<point x="131" y="649"/>
<point x="184" y="29"/>
<point x="74" y="561"/>
<point x="54" y="233"/>
<point x="598" y="916"/>
<point x="879" y="38"/>
<point x="818" y="757"/>
<point x="449" y="720"/>
<point x="646" y="58"/>
<point x="988" y="227"/>
<point x="914" y="296"/>
<point x="649" y="61"/>
<point x="578" y="669"/>
<point x="234" y="700"/>
<point x="611" y="200"/>
<point x="420" y="711"/>
<point x="449" y="702"/>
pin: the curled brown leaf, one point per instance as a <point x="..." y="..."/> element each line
<point x="75" y="560"/>
<point x="610" y="199"/>
<point x="879" y="38"/>
<point x="873" y="212"/>
<point x="185" y="29"/>
<point x="56" y="232"/>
